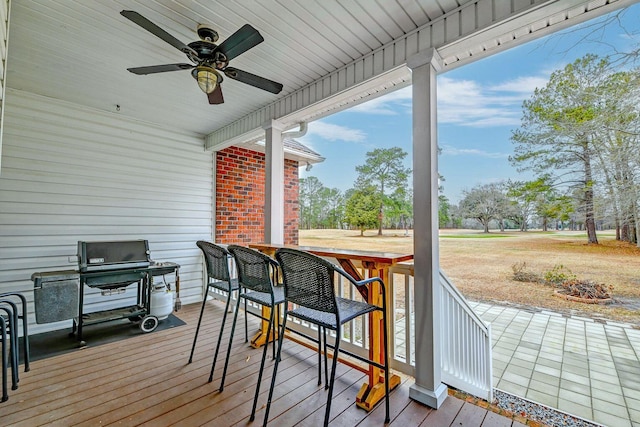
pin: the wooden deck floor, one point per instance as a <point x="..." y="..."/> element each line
<point x="146" y="381"/>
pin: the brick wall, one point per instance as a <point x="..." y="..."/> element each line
<point x="240" y="176"/>
<point x="291" y="207"/>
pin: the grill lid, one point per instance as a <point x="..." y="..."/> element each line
<point x="113" y="255"/>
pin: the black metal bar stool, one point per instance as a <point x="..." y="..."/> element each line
<point x="217" y="262"/>
<point x="13" y="298"/>
<point x="309" y="283"/>
<point x="257" y="273"/>
<point x="11" y="315"/>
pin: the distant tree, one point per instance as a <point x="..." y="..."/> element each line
<point x="443" y="204"/>
<point x="524" y="196"/>
<point x="309" y="201"/>
<point x="616" y="158"/>
<point x="332" y="207"/>
<point x="384" y="171"/>
<point x="444" y="208"/>
<point x="456" y="217"/>
<point x="551" y="206"/>
<point x="485" y="203"/>
<point x="362" y="208"/>
<point x="320" y="206"/>
<point x="558" y="127"/>
<point x="399" y="208"/>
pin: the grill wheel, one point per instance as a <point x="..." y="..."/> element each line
<point x="148" y="324"/>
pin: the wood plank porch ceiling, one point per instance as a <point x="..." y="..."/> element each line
<point x="328" y="54"/>
<point x="145" y="380"/>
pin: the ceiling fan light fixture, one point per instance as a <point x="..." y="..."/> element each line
<point x="207" y="78"/>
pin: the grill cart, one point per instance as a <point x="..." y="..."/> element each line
<point x="110" y="267"/>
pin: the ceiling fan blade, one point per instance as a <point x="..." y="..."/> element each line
<point x="152" y="69"/>
<point x="136" y="18"/>
<point x="240" y="41"/>
<point x="253" y="80"/>
<point x="215" y="97"/>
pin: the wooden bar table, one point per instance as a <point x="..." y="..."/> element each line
<point x="377" y="264"/>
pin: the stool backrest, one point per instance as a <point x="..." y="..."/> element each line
<point x="308" y="280"/>
<point x="217" y="260"/>
<point x="254" y="268"/>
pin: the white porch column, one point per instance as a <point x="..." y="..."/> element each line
<point x="428" y="388"/>
<point x="274" y="183"/>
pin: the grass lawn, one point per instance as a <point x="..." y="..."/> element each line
<point x="480" y="265"/>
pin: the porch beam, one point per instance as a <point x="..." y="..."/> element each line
<point x="474" y="30"/>
<point x="274" y="183"/>
<point x="428" y="387"/>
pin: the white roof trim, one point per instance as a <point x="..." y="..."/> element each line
<point x="472" y="31"/>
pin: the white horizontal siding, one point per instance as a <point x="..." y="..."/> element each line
<point x="70" y="173"/>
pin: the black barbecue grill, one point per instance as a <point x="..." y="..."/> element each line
<point x="109" y="266"/>
<point x="113" y="265"/>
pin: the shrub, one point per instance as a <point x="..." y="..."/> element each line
<point x="521" y="273"/>
<point x="558" y="275"/>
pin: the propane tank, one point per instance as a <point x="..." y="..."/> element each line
<point x="161" y="302"/>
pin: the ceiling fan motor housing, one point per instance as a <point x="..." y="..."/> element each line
<point x="207" y="33"/>
<point x="208" y="55"/>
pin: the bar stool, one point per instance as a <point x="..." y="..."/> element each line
<point x="5" y="364"/>
<point x="309" y="283"/>
<point x="11" y="315"/>
<point x="217" y="262"/>
<point x="256" y="274"/>
<point x="12" y="299"/>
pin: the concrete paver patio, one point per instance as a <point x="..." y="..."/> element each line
<point x="578" y="365"/>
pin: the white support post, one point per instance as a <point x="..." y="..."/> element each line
<point x="4" y="23"/>
<point x="428" y="388"/>
<point x="274" y="183"/>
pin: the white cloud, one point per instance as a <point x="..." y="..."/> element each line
<point x="469" y="103"/>
<point x="454" y="151"/>
<point x="521" y="85"/>
<point x="332" y="132"/>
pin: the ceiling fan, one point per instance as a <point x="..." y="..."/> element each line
<point x="208" y="59"/>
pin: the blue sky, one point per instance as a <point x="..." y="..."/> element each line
<point x="478" y="107"/>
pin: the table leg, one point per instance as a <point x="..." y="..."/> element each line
<point x="260" y="338"/>
<point x="372" y="391"/>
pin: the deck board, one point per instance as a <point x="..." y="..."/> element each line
<point x="146" y="381"/>
<point x="470" y="416"/>
<point x="445" y="415"/>
<point x="493" y="419"/>
<point x="413" y="414"/>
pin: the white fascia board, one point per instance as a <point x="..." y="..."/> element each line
<point x="290" y="154"/>
<point x="367" y="90"/>
<point x="481" y="25"/>
<point x="540" y="20"/>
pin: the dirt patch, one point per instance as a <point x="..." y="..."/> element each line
<point x="481" y="267"/>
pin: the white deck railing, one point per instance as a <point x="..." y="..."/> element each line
<point x="466" y="344"/>
<point x="466" y="339"/>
